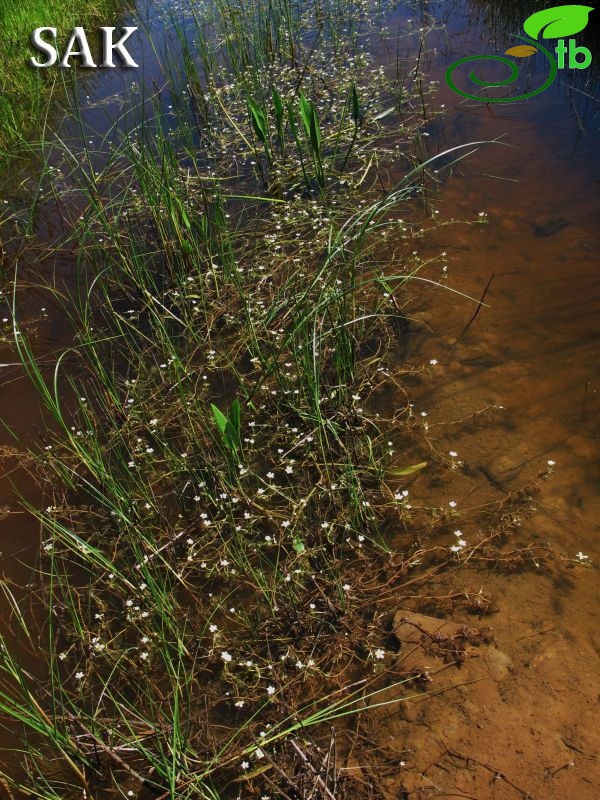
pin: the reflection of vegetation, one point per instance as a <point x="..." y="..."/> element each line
<point x="22" y="89"/>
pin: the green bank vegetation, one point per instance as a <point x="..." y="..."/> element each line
<point x="230" y="444"/>
<point x="23" y="90"/>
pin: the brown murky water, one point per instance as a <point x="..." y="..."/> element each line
<point x="534" y="349"/>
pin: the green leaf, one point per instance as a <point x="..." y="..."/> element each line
<point x="557" y="22"/>
<point x="220" y="418"/>
<point x="259" y="120"/>
<point x="277" y="106"/>
<point x="305" y="115"/>
<point x="310" y="120"/>
<point x="299" y="545"/>
<point x="234" y="424"/>
<point x="399" y="473"/>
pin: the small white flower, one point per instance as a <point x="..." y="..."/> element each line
<point x="433" y="362"/>
<point x="380" y="654"/>
<point x="79" y="675"/>
<point x="213" y="628"/>
<point x="271" y="690"/>
<point x="245" y="765"/>
<point x="226" y="656"/>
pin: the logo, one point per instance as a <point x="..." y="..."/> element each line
<point x="559" y="23"/>
<point x="78" y="47"/>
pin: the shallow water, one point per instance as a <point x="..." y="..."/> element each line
<point x="533" y="348"/>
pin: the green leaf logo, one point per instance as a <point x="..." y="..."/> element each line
<point x="558" y="22"/>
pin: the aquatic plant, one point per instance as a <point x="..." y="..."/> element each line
<point x="217" y="478"/>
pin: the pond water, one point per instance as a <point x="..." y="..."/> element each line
<point x="531" y="243"/>
<point x="534" y="349"/>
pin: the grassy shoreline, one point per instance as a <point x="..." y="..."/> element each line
<point x="221" y="482"/>
<point x="23" y="90"/>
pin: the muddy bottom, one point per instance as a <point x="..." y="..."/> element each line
<point x="511" y="399"/>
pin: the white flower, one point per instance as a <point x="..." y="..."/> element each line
<point x="79" y="675"/>
<point x="433" y="362"/>
<point x="213" y="628"/>
<point x="379" y="653"/>
<point x="271" y="690"/>
<point x="258" y="753"/>
<point x="582" y="556"/>
<point x="245" y="765"/>
<point x="239" y="704"/>
<point x="452" y="503"/>
<point x="226" y="656"/>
